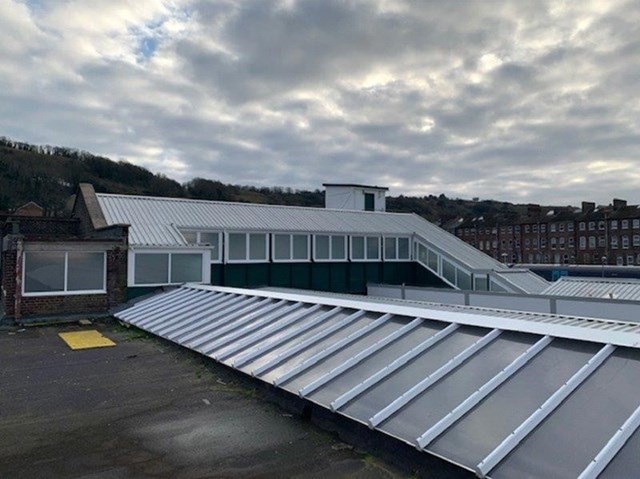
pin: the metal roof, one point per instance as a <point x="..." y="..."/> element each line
<point x="626" y="289"/>
<point x="494" y="393"/>
<point x="155" y="221"/>
<point x="523" y="279"/>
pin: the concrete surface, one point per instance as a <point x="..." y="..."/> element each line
<point x="147" y="408"/>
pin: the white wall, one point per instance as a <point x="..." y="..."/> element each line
<point x="352" y="198"/>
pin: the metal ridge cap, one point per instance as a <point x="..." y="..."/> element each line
<point x="469" y="317"/>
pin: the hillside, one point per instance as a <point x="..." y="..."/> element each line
<point x="49" y="175"/>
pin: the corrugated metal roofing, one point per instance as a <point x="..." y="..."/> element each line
<point x="524" y="280"/>
<point x="154" y="222"/>
<point x="625" y="289"/>
<point x="496" y="394"/>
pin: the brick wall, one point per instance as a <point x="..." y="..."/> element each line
<point x="9" y="281"/>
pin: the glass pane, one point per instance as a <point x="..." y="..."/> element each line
<point x="403" y="248"/>
<point x="85" y="271"/>
<point x="186" y="268"/>
<point x="464" y="280"/>
<point x="237" y="246"/>
<point x="258" y="246"/>
<point x="322" y="247"/>
<point x="338" y="247"/>
<point x="213" y="240"/>
<point x="152" y="268"/>
<point x="449" y="271"/>
<point x="190" y="237"/>
<point x="390" y="248"/>
<point x="480" y="283"/>
<point x="282" y="247"/>
<point x="300" y="247"/>
<point x="422" y="254"/>
<point x="44" y="272"/>
<point x="373" y="248"/>
<point x="433" y="261"/>
<point x="357" y="247"/>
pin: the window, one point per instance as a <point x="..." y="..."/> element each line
<point x="527" y="242"/>
<point x="527" y="228"/>
<point x="625" y="226"/>
<point x="397" y="249"/>
<point x="552" y="227"/>
<point x="592" y="225"/>
<point x="592" y="242"/>
<point x="601" y="225"/>
<point x="636" y="240"/>
<point x="582" y="226"/>
<point x="570" y="227"/>
<point x="48" y="273"/>
<point x="365" y="248"/>
<point x="636" y="224"/>
<point x="543" y="242"/>
<point x="629" y="259"/>
<point x="625" y="241"/>
<point x="495" y="244"/>
<point x="602" y="241"/>
<point x="619" y="261"/>
<point x="583" y="242"/>
<point x="561" y="242"/>
<point x="572" y="242"/>
<point x="288" y="247"/>
<point x="205" y="238"/>
<point x="330" y="248"/>
<point x="516" y="228"/>
<point x="247" y="247"/>
<point x="614" y="241"/>
<point x="167" y="268"/>
<point x="561" y="227"/>
<point x="543" y="228"/>
<point x="614" y="224"/>
<point x="553" y="242"/>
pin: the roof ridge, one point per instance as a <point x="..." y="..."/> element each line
<point x="240" y="203"/>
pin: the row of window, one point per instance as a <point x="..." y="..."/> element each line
<point x="254" y="247"/>
<point x="624" y="241"/>
<point x="556" y="227"/>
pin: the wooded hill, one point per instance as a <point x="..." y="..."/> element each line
<point x="49" y="175"/>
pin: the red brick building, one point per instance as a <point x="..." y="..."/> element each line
<point x="589" y="235"/>
<point x="60" y="266"/>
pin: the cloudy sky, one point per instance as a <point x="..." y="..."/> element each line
<point x="520" y="101"/>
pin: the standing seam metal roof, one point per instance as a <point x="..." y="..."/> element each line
<point x="625" y="289"/>
<point x="154" y="222"/>
<point x="496" y="393"/>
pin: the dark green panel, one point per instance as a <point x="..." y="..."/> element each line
<point x="424" y="277"/>
<point x="339" y="277"/>
<point x="235" y="275"/>
<point x="301" y="275"/>
<point x="140" y="291"/>
<point x="280" y="275"/>
<point x="321" y="276"/>
<point x="373" y="272"/>
<point x="217" y="276"/>
<point x="258" y="275"/>
<point x="357" y="278"/>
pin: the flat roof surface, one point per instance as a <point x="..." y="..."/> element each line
<point x="147" y="408"/>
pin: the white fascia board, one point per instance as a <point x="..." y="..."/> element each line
<point x="474" y="317"/>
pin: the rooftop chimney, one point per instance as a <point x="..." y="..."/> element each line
<point x="617" y="203"/>
<point x="588" y="206"/>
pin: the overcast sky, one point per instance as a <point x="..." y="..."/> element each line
<point x="520" y="101"/>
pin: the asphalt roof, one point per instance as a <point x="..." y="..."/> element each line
<point x="504" y="394"/>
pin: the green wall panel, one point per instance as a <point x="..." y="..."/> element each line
<point x="301" y="274"/>
<point x="280" y="275"/>
<point x="258" y="274"/>
<point x="321" y="276"/>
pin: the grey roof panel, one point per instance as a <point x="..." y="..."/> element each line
<point x="465" y="352"/>
<point x="614" y="288"/>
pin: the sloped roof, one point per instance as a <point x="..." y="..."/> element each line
<point x="613" y="288"/>
<point x="155" y="222"/>
<point x="504" y="394"/>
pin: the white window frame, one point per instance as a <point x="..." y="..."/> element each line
<point x="331" y="258"/>
<point x="290" y="260"/>
<point x="636" y="223"/>
<point x="65" y="292"/>
<point x="397" y="258"/>
<point x="624" y="224"/>
<point x="366" y="256"/>
<point x="247" y="249"/>
<point x="203" y="244"/>
<point x="131" y="273"/>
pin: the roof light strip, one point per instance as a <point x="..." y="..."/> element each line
<point x="361" y="356"/>
<point x="472" y="401"/>
<point x="344" y="322"/>
<point x="214" y="314"/>
<point x="150" y="313"/>
<point x="609" y="451"/>
<point x="307" y="363"/>
<point x="522" y="431"/>
<point x="186" y="313"/>
<point x="158" y="299"/>
<point x="391" y="368"/>
<point x="433" y="378"/>
<point x="261" y="334"/>
<point x="249" y="356"/>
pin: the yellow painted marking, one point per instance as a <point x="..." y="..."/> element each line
<point x="86" y="340"/>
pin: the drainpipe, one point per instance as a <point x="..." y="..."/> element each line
<point x="17" y="313"/>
